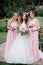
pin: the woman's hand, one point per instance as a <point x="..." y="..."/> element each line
<point x="32" y="30"/>
<point x="10" y="28"/>
<point x="35" y="30"/>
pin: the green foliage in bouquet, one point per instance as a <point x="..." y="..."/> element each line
<point x="24" y="33"/>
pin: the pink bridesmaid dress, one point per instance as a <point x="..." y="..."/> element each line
<point x="11" y="35"/>
<point x="33" y="39"/>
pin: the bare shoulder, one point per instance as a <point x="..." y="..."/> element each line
<point x="36" y="20"/>
<point x="9" y="21"/>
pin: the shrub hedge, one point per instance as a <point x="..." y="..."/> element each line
<point x="3" y="24"/>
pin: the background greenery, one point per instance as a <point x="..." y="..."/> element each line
<point x="7" y="7"/>
<point x="3" y="63"/>
<point x="3" y="23"/>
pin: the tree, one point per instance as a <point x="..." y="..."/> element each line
<point x="9" y="6"/>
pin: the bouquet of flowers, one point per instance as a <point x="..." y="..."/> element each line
<point x="23" y="29"/>
<point x="31" y="26"/>
<point x="14" y="27"/>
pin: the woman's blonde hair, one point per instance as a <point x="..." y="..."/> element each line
<point x="14" y="15"/>
<point x="12" y="19"/>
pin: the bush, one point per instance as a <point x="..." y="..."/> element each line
<point x="39" y="11"/>
<point x="3" y="24"/>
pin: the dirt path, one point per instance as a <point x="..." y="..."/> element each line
<point x="2" y="48"/>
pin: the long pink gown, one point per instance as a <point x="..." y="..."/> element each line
<point x="33" y="39"/>
<point x="11" y="35"/>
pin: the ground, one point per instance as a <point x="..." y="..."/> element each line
<point x="2" y="49"/>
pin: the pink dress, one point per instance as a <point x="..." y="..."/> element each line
<point x="11" y="35"/>
<point x="33" y="39"/>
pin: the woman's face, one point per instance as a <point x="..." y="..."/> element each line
<point x="15" y="16"/>
<point x="31" y="15"/>
<point x="24" y="16"/>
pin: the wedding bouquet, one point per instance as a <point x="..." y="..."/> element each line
<point x="30" y="26"/>
<point x="14" y="27"/>
<point x="23" y="29"/>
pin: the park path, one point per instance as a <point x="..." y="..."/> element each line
<point x="2" y="49"/>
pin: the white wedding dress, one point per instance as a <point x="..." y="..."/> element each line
<point x="20" y="51"/>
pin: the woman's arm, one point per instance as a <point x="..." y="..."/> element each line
<point x="8" y="25"/>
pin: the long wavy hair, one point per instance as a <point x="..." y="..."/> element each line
<point x="12" y="19"/>
<point x="26" y="20"/>
<point x="17" y="15"/>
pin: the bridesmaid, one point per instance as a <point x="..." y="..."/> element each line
<point x="33" y="26"/>
<point x="12" y="31"/>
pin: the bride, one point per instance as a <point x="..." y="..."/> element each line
<point x="19" y="52"/>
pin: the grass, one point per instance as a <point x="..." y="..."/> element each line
<point x="2" y="37"/>
<point x="3" y="63"/>
<point x="41" y="21"/>
<point x="4" y="34"/>
<point x="41" y="39"/>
